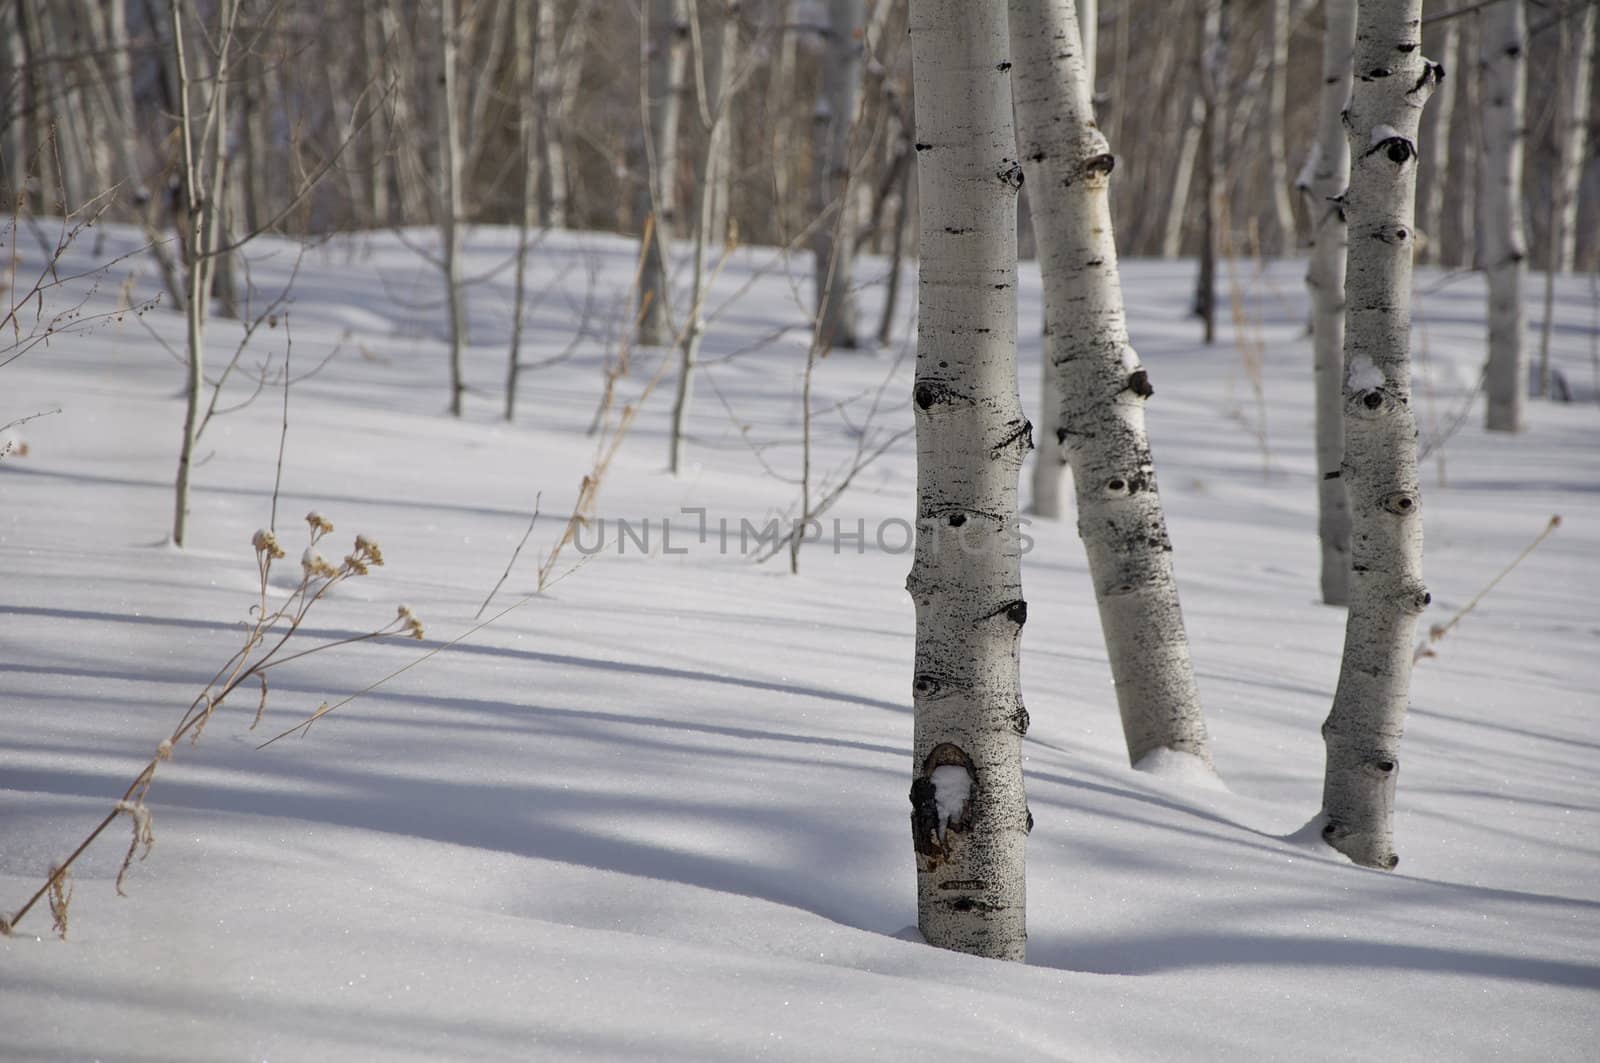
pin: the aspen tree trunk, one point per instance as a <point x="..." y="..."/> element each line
<point x="780" y="86"/>
<point x="13" y="76"/>
<point x="450" y="197"/>
<point x="1277" y="151"/>
<point x="1050" y="457"/>
<point x="1393" y="82"/>
<point x="1213" y="84"/>
<point x="969" y="814"/>
<point x="1504" y="64"/>
<point x="1325" y="278"/>
<point x="706" y="196"/>
<point x="1089" y="33"/>
<point x="406" y="142"/>
<point x="526" y="57"/>
<point x="1102" y="391"/>
<point x="558" y="74"/>
<point x="1466" y="171"/>
<point x="1437" y="161"/>
<point x="379" y="158"/>
<point x="719" y="30"/>
<point x="203" y="170"/>
<point x="833" y="246"/>
<point x="1183" y="178"/>
<point x="1572" y="133"/>
<point x="666" y="33"/>
<point x="897" y="254"/>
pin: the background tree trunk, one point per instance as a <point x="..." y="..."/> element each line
<point x="1362" y="731"/>
<point x="969" y="816"/>
<point x="1325" y="278"/>
<point x="1572" y="132"/>
<point x="1503" y="65"/>
<point x="667" y="32"/>
<point x="450" y="196"/>
<point x="1214" y="91"/>
<point x="1436" y="162"/>
<point x="1286" y="233"/>
<point x="834" y="243"/>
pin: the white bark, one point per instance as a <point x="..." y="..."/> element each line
<point x="666" y="31"/>
<point x="1325" y="278"/>
<point x="1503" y="64"/>
<point x="1183" y="178"/>
<point x="1102" y="388"/>
<point x="1214" y="90"/>
<point x="1572" y="133"/>
<point x="1466" y="173"/>
<point x="1089" y="34"/>
<point x="1277" y="151"/>
<point x="450" y="206"/>
<point x="526" y="57"/>
<point x="1431" y="196"/>
<point x="1362" y="732"/>
<point x="721" y="91"/>
<point x="969" y="814"/>
<point x="719" y="29"/>
<point x="833" y="246"/>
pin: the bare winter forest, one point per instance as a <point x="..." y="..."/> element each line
<point x="760" y="406"/>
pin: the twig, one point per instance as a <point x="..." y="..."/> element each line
<point x="283" y="437"/>
<point x="1439" y="631"/>
<point x="514" y="555"/>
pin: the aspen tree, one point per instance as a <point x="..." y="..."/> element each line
<point x="450" y="196"/>
<point x="1103" y="388"/>
<point x="1392" y="83"/>
<point x="969" y="815"/>
<point x="1503" y="63"/>
<point x="1277" y="149"/>
<point x="1436" y="165"/>
<point x="1325" y="278"/>
<point x="833" y="246"/>
<point x="665" y="28"/>
<point x="1572" y="131"/>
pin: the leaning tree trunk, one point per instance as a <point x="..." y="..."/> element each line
<point x="450" y="196"/>
<point x="1362" y="732"/>
<point x="1330" y="176"/>
<point x="833" y="246"/>
<point x="1503" y="62"/>
<point x="1102" y="390"/>
<point x="666" y="29"/>
<point x="969" y="815"/>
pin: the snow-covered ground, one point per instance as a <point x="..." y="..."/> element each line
<point x="660" y="812"/>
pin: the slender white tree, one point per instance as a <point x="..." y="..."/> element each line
<point x="1572" y="130"/>
<point x="969" y="815"/>
<point x="1392" y="84"/>
<point x="1436" y="164"/>
<point x="665" y="29"/>
<point x="450" y="199"/>
<point x="1214" y="91"/>
<point x="1503" y="64"/>
<point x="1277" y="149"/>
<point x="1102" y="388"/>
<point x="1325" y="278"/>
<point x="833" y="246"/>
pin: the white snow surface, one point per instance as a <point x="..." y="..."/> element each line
<point x="661" y="811"/>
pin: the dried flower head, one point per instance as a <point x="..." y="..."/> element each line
<point x="368" y="549"/>
<point x="314" y="564"/>
<point x="410" y="624"/>
<point x="266" y="543"/>
<point x="320" y="525"/>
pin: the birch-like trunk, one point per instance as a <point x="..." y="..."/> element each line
<point x="833" y="246"/>
<point x="449" y="178"/>
<point x="1503" y="64"/>
<point x="1325" y="278"/>
<point x="719" y="29"/>
<point x="1214" y="90"/>
<point x="1572" y="133"/>
<point x="1466" y="169"/>
<point x="667" y="33"/>
<point x="1393" y="82"/>
<point x="716" y="114"/>
<point x="969" y="814"/>
<point x="1183" y="178"/>
<point x="1089" y="34"/>
<point x="13" y="78"/>
<point x="528" y="52"/>
<point x="1277" y="150"/>
<point x="1430" y="196"/>
<point x="1102" y="391"/>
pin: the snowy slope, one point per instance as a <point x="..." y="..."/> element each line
<point x="660" y="812"/>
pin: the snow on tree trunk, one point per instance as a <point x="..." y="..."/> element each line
<point x="666" y="29"/>
<point x="834" y="243"/>
<point x="450" y="197"/>
<point x="1392" y="83"/>
<point x="1103" y="388"/>
<point x="1431" y="208"/>
<point x="1277" y="151"/>
<point x="1330" y="176"/>
<point x="1572" y="134"/>
<point x="969" y="816"/>
<point x="1503" y="63"/>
